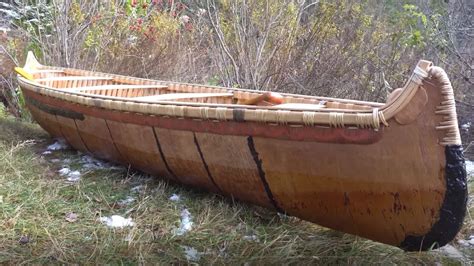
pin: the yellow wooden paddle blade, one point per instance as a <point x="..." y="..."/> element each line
<point x="24" y="73"/>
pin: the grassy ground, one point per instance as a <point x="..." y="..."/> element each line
<point x="35" y="202"/>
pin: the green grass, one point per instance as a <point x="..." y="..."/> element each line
<point x="34" y="201"/>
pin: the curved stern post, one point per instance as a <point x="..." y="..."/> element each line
<point x="31" y="62"/>
<point x="454" y="205"/>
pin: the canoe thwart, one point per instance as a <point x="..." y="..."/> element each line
<point x="270" y="97"/>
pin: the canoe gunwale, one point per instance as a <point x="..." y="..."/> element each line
<point x="319" y="133"/>
<point x="211" y="111"/>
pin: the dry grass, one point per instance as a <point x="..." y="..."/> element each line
<point x="34" y="201"/>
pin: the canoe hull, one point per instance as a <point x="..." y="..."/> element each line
<point x="394" y="185"/>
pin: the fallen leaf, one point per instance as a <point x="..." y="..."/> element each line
<point x="71" y="217"/>
<point x="24" y="239"/>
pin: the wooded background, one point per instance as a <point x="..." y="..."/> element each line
<point x="358" y="49"/>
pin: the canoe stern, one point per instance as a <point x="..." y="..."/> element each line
<point x="453" y="209"/>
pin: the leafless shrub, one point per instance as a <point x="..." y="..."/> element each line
<point x="342" y="48"/>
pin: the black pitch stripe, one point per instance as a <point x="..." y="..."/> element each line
<point x="261" y="173"/>
<point x="115" y="145"/>
<point x="80" y="136"/>
<point x="163" y="156"/>
<point x="204" y="162"/>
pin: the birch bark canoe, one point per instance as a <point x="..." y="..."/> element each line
<point x="392" y="172"/>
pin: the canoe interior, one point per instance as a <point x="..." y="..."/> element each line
<point x="77" y="82"/>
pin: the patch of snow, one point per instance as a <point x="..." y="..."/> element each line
<point x="64" y="171"/>
<point x="90" y="166"/>
<point x="466" y="126"/>
<point x="137" y="189"/>
<point x="55" y="160"/>
<point x="60" y="144"/>
<point x="451" y="252"/>
<point x="186" y="223"/>
<point x="470" y="167"/>
<point x="471" y="240"/>
<point x="128" y="200"/>
<point x="72" y="176"/>
<point x="117" y="221"/>
<point x="191" y="253"/>
<point x="175" y="197"/>
<point x="251" y="238"/>
<point x="46" y="152"/>
<point x="91" y="163"/>
<point x="463" y="243"/>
